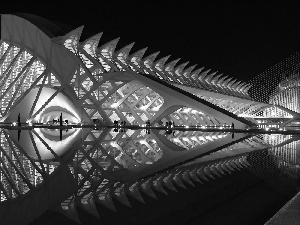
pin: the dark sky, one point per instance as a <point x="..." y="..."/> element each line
<point x="238" y="39"/>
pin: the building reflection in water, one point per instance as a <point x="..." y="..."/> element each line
<point x="274" y="158"/>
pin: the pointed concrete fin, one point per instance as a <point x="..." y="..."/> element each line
<point x="71" y="212"/>
<point x="77" y="32"/>
<point x="196" y="73"/>
<point x="194" y="177"/>
<point x="168" y="183"/>
<point x="241" y="163"/>
<point x="137" y="56"/>
<point x="134" y="192"/>
<point x="233" y="165"/>
<point x="220" y="76"/>
<point x="209" y="77"/>
<point x="224" y="168"/>
<point x="177" y="180"/>
<point x="204" y="74"/>
<point x="246" y="163"/>
<point x="213" y="73"/>
<point x="90" y="208"/>
<point x="247" y="88"/>
<point x="74" y="34"/>
<point x="229" y="166"/>
<point x="239" y="167"/>
<point x="146" y="188"/>
<point x="235" y="85"/>
<point x="237" y="163"/>
<point x="121" y="197"/>
<point x="179" y="69"/>
<point x="215" y="79"/>
<point x="188" y="71"/>
<point x="225" y="84"/>
<point x="124" y="200"/>
<point x="120" y="194"/>
<point x="161" y="62"/>
<point x="170" y="65"/>
<point x="185" y="176"/>
<point x="107" y="50"/>
<point x="124" y="52"/>
<point x="208" y="173"/>
<point x="93" y="41"/>
<point x="157" y="185"/>
<point x="231" y="83"/>
<point x="243" y="87"/>
<point x="70" y="40"/>
<point x="221" y="80"/>
<point x="220" y="169"/>
<point x="213" y="170"/>
<point x="216" y="170"/>
<point x="105" y="199"/>
<point x="201" y="174"/>
<point x="148" y="61"/>
<point x="238" y="88"/>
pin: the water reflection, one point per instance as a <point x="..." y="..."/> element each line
<point x="43" y="142"/>
<point x="134" y="154"/>
<point x="131" y="148"/>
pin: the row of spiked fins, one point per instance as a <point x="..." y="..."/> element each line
<point x="199" y="78"/>
<point x="181" y="176"/>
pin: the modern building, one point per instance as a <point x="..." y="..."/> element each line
<point x="46" y="73"/>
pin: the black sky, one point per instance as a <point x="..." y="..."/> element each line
<point x="238" y="39"/>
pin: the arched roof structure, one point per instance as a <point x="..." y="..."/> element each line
<point x="50" y="28"/>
